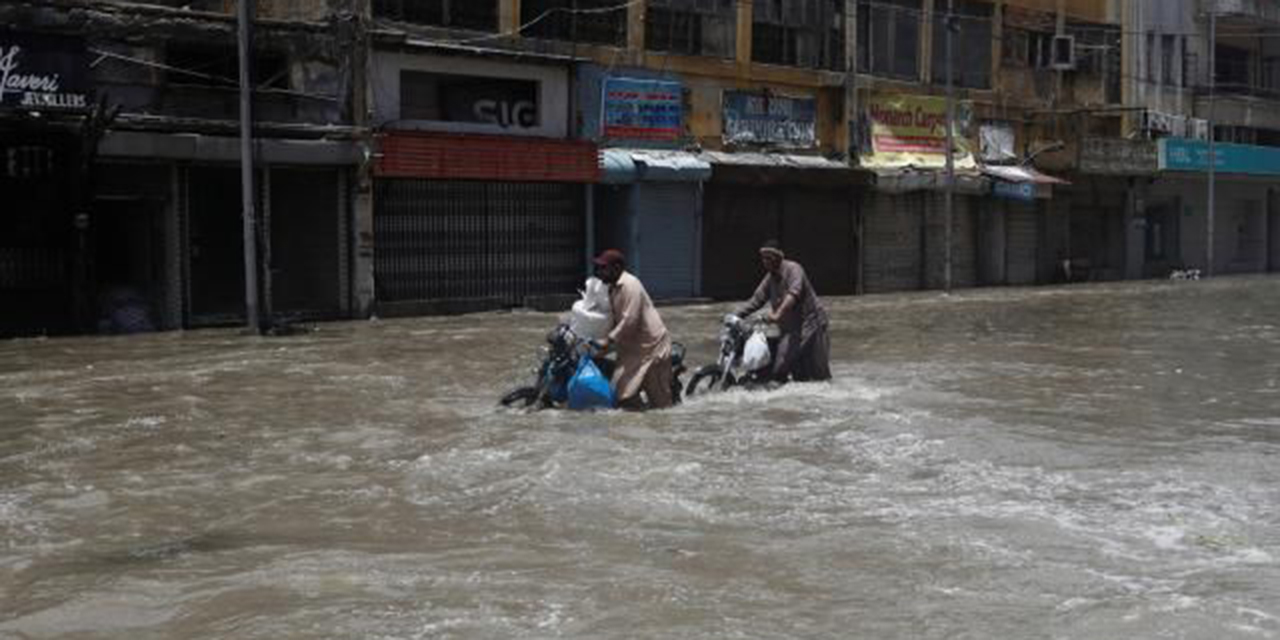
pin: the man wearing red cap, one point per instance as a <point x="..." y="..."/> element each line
<point x="642" y="341"/>
<point x="803" y="348"/>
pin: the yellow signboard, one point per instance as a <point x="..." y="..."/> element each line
<point x="911" y="131"/>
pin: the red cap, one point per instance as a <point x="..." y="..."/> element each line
<point x="610" y="256"/>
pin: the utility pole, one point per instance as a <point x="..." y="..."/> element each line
<point x="950" y="25"/>
<point x="1213" y="159"/>
<point x="245" y="17"/>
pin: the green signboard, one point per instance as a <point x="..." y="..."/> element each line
<point x="1178" y="154"/>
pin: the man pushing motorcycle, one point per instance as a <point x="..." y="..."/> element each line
<point x="642" y="341"/>
<point x="804" y="350"/>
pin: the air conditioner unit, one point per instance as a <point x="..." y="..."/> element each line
<point x="1064" y="53"/>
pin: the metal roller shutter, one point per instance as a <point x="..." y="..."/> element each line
<point x="1022" y="252"/>
<point x="893" y="257"/>
<point x="457" y="240"/>
<point x="666" y="258"/>
<point x="963" y="242"/>
<point x="736" y="219"/>
<point x="818" y="231"/>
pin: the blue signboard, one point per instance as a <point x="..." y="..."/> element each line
<point x="1025" y="191"/>
<point x="1178" y="154"/>
<point x="765" y="119"/>
<point x="637" y="109"/>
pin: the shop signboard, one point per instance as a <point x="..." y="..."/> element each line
<point x="638" y="109"/>
<point x="911" y="130"/>
<point x="1180" y="154"/>
<point x="767" y="119"/>
<point x="41" y="72"/>
<point x="1023" y="191"/>
<point x="1118" y="157"/>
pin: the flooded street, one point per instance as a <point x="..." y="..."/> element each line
<point x="1082" y="462"/>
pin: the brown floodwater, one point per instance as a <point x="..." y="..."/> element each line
<point x="1098" y="461"/>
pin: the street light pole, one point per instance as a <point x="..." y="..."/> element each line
<point x="949" y="25"/>
<point x="244" y="15"/>
<point x="1213" y="159"/>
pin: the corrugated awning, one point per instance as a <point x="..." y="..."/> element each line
<point x="968" y="181"/>
<point x="1020" y="174"/>
<point x="773" y="160"/>
<point x="624" y="166"/>
<point x="782" y="168"/>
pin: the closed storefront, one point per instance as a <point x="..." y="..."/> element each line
<point x="1022" y="242"/>
<point x="815" y="226"/>
<point x="665" y="253"/>
<point x="38" y="235"/>
<point x="461" y="240"/>
<point x="463" y="220"/>
<point x="308" y="254"/>
<point x="964" y="230"/>
<point x="894" y="225"/>
<point x="651" y="209"/>
<point x="806" y="203"/>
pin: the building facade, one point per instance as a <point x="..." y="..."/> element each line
<point x="119" y="132"/>
<point x="420" y="156"/>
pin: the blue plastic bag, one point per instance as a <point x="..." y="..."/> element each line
<point x="589" y="389"/>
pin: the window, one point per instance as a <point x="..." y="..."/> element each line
<point x="799" y="33"/>
<point x="481" y="15"/>
<point x="692" y="27"/>
<point x="591" y="21"/>
<point x="1168" y="54"/>
<point x="1152" y="53"/>
<point x="889" y="38"/>
<point x="219" y="66"/>
<point x="970" y="45"/>
<point x="1231" y="67"/>
<point x="440" y="97"/>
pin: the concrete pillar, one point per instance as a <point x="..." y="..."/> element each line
<point x="743" y="53"/>
<point x="635" y="29"/>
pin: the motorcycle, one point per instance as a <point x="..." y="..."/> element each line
<point x="560" y="362"/>
<point x="730" y="370"/>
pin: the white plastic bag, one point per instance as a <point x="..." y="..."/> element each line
<point x="591" y="316"/>
<point x="755" y="354"/>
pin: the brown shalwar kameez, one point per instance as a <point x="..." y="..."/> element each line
<point x="803" y="348"/>
<point x="644" y="346"/>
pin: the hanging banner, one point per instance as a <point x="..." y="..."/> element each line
<point x="765" y="119"/>
<point x="42" y="72"/>
<point x="909" y="130"/>
<point x="641" y="109"/>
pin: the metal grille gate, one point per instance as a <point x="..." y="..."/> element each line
<point x="456" y="240"/>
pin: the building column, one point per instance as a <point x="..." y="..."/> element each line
<point x="743" y="52"/>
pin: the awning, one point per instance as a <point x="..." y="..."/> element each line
<point x="1021" y="183"/>
<point x="1020" y="174"/>
<point x="968" y="181"/>
<point x="625" y="166"/>
<point x="781" y="168"/>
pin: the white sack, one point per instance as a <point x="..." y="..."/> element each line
<point x="755" y="355"/>
<point x="592" y="316"/>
